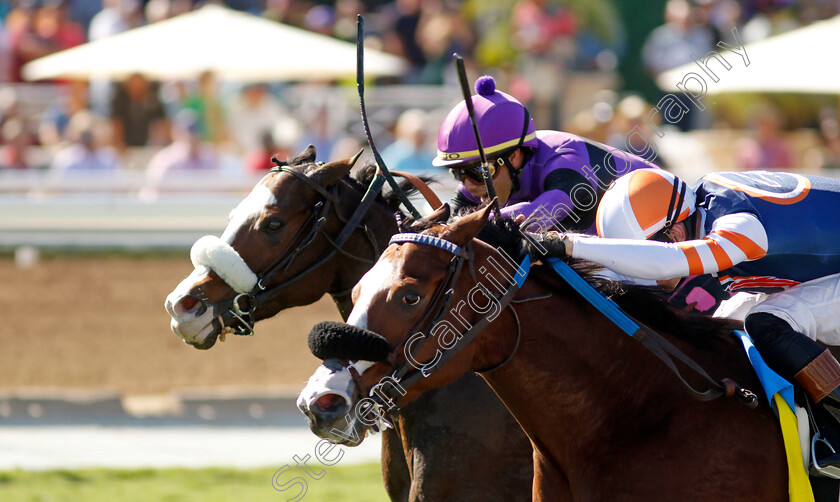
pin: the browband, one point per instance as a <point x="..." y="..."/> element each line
<point x="429" y="240"/>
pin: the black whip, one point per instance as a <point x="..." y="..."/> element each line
<point x="360" y="85"/>
<point x="485" y="170"/>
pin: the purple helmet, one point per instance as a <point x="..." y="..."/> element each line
<point x="502" y="122"/>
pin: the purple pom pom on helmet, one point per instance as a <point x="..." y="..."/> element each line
<point x="485" y="86"/>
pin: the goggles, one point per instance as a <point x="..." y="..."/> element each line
<point x="473" y="172"/>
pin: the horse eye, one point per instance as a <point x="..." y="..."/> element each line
<point x="274" y="226"/>
<point x="411" y="299"/>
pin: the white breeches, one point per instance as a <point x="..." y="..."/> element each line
<point x="811" y="308"/>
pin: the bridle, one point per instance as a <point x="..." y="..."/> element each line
<point x="244" y="304"/>
<point x="408" y="373"/>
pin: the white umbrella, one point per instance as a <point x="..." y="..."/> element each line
<point x="234" y="45"/>
<point x="801" y="60"/>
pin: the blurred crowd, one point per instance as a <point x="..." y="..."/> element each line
<point x="531" y="45"/>
<point x="692" y="29"/>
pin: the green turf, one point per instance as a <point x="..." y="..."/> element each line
<point x="358" y="483"/>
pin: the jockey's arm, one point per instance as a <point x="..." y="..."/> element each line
<point x="547" y="210"/>
<point x="733" y="238"/>
<point x="555" y="204"/>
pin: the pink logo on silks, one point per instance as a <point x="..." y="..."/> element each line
<point x="701" y="299"/>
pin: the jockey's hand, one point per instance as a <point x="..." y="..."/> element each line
<point x="549" y="244"/>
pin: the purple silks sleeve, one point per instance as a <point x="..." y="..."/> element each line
<point x="547" y="211"/>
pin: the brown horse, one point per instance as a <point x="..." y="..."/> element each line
<point x="607" y="420"/>
<point x="270" y="225"/>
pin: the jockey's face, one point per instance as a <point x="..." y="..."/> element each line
<point x="502" y="181"/>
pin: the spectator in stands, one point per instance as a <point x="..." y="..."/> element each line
<point x="204" y="101"/>
<point x="187" y="153"/>
<point x="401" y="36"/>
<point x="344" y="26"/>
<point x="52" y="23"/>
<point x="137" y="114"/>
<point x="86" y="152"/>
<point x="673" y="44"/>
<point x="279" y="142"/>
<point x="768" y="148"/>
<point x="442" y="32"/>
<point x="24" y="45"/>
<point x="629" y="129"/>
<point x="37" y="32"/>
<point x="320" y="19"/>
<point x="830" y="130"/>
<point x="158" y="10"/>
<point x="770" y="17"/>
<point x="115" y="17"/>
<point x="411" y="151"/>
<point x="320" y="130"/>
<point x="15" y="141"/>
<point x="9" y="105"/>
<point x="260" y="160"/>
<point x="15" y="133"/>
<point x="545" y="35"/>
<point x="56" y="117"/>
<point x="287" y="11"/>
<point x="254" y="111"/>
<point x="722" y="17"/>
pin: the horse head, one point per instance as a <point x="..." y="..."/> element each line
<point x="409" y="310"/>
<point x="271" y="238"/>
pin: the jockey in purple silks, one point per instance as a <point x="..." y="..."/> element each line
<point x="556" y="177"/>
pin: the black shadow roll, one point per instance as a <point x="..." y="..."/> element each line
<point x="337" y="340"/>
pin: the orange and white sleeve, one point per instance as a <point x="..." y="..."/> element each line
<point x="733" y="238"/>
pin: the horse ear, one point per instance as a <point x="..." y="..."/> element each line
<point x="464" y="229"/>
<point x="440" y="215"/>
<point x="330" y="173"/>
<point x="307" y="156"/>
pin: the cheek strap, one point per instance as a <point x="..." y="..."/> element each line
<point x="217" y="255"/>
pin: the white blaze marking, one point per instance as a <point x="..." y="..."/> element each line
<point x="252" y="205"/>
<point x="380" y="277"/>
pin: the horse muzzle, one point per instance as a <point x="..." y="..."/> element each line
<point x="327" y="401"/>
<point x="199" y="322"/>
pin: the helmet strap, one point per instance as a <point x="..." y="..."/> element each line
<point x="674" y="206"/>
<point x="514" y="173"/>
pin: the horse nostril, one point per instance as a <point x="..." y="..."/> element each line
<point x="190" y="305"/>
<point x="329" y="402"/>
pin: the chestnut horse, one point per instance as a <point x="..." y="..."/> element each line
<point x="607" y="420"/>
<point x="277" y="217"/>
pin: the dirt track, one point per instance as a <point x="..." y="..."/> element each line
<point x="85" y="322"/>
